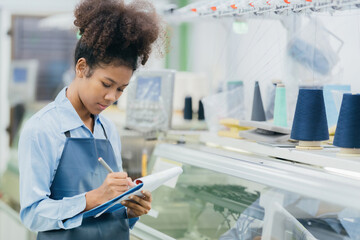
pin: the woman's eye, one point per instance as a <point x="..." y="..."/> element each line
<point x="120" y="90"/>
<point x="105" y="85"/>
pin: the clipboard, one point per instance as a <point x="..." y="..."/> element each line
<point x="111" y="205"/>
<point x="149" y="183"/>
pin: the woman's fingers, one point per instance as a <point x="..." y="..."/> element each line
<point x="139" y="205"/>
<point x="147" y="195"/>
<point x="130" y="182"/>
<point x="136" y="208"/>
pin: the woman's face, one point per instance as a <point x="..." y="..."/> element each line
<point x="104" y="87"/>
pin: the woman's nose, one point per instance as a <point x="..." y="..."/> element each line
<point x="111" y="96"/>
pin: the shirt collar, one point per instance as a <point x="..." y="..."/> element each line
<point x="68" y="117"/>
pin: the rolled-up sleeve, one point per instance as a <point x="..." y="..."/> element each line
<point x="37" y="155"/>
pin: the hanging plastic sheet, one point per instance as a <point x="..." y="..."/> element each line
<point x="228" y="104"/>
<point x="313" y="56"/>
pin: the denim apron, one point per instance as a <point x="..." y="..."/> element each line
<point x="79" y="171"/>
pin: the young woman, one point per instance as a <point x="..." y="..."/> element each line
<point x="60" y="177"/>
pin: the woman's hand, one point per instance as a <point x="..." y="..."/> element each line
<point x="138" y="206"/>
<point x="115" y="184"/>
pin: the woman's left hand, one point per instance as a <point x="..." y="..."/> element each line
<point x="137" y="206"/>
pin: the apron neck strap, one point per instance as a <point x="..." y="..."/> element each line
<point x="67" y="134"/>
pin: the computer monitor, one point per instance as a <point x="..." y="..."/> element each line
<point x="150" y="100"/>
<point x="22" y="84"/>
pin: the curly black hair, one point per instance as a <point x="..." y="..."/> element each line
<point x="113" y="32"/>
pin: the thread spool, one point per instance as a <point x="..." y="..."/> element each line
<point x="201" y="115"/>
<point x="258" y="113"/>
<point x="280" y="112"/>
<point x="347" y="134"/>
<point x="188" y="108"/>
<point x="310" y="123"/>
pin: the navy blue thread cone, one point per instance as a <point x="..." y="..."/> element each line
<point x="201" y="115"/>
<point x="258" y="113"/>
<point x="310" y="123"/>
<point x="188" y="108"/>
<point x="347" y="134"/>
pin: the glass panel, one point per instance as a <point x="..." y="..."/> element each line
<point x="211" y="205"/>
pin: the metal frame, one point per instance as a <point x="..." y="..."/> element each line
<point x="224" y="8"/>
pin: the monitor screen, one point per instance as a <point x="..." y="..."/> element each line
<point x="19" y="75"/>
<point x="22" y="81"/>
<point x="148" y="88"/>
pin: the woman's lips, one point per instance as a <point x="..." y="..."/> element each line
<point x="102" y="107"/>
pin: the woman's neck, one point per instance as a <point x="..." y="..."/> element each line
<point x="78" y="105"/>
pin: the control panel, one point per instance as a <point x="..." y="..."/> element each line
<point x="150" y="100"/>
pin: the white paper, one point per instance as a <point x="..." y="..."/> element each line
<point x="155" y="180"/>
<point x="165" y="164"/>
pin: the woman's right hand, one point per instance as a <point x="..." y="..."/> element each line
<point x="115" y="184"/>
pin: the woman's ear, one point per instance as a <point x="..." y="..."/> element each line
<point x="80" y="68"/>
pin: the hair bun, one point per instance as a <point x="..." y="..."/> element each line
<point x="111" y="25"/>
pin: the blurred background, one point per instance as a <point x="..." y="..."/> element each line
<point x="214" y="47"/>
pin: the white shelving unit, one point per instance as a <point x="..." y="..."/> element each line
<point x="310" y="181"/>
<point x="239" y="161"/>
<point x="326" y="158"/>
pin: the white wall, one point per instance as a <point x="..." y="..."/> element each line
<point x="260" y="54"/>
<point x="346" y="25"/>
<point x="222" y="55"/>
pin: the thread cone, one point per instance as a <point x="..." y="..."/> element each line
<point x="280" y="112"/>
<point x="258" y="113"/>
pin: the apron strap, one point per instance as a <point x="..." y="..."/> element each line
<point x="68" y="135"/>
<point x="104" y="130"/>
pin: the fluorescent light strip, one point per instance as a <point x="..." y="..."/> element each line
<point x="343" y="172"/>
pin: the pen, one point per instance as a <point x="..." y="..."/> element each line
<point x="101" y="160"/>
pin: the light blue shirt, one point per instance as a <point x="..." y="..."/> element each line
<point x="40" y="147"/>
